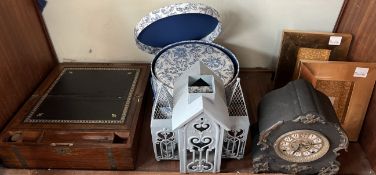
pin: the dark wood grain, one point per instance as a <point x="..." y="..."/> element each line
<point x="26" y="55"/>
<point x="93" y="146"/>
<point x="255" y="84"/>
<point x="359" y="19"/>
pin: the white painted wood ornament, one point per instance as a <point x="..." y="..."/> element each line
<point x="199" y="113"/>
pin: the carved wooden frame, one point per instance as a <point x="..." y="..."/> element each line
<point x="292" y="40"/>
<point x="359" y="97"/>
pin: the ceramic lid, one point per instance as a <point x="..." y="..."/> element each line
<point x="175" y="23"/>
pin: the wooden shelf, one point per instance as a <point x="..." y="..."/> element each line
<point x="255" y="83"/>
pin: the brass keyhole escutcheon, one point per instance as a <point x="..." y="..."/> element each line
<point x="62" y="150"/>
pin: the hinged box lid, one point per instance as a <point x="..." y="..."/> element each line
<point x="175" y="23"/>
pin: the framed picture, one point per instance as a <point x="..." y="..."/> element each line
<point x="308" y="45"/>
<point x="348" y="85"/>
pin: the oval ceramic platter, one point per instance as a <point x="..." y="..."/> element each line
<point x="174" y="60"/>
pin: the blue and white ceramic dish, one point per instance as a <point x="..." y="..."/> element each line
<point x="175" y="59"/>
<point x="179" y="35"/>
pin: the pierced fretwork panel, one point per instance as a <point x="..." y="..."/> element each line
<point x="234" y="143"/>
<point x="156" y="85"/>
<point x="165" y="145"/>
<point x="162" y="108"/>
<point x="229" y="91"/>
<point x="237" y="105"/>
<point x="201" y="145"/>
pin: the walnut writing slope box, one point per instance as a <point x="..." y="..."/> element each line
<point x="348" y="85"/>
<point x="83" y="116"/>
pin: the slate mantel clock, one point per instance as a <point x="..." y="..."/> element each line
<point x="299" y="132"/>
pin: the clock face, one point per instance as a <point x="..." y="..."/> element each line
<point x="301" y="146"/>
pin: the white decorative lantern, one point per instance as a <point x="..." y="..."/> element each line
<point x="199" y="113"/>
<point x="198" y="125"/>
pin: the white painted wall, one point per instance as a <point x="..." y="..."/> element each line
<point x="102" y="30"/>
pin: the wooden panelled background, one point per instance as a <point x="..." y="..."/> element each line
<point x="359" y="19"/>
<point x="25" y="54"/>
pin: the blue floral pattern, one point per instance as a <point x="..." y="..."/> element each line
<point x="171" y="10"/>
<point x="175" y="60"/>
